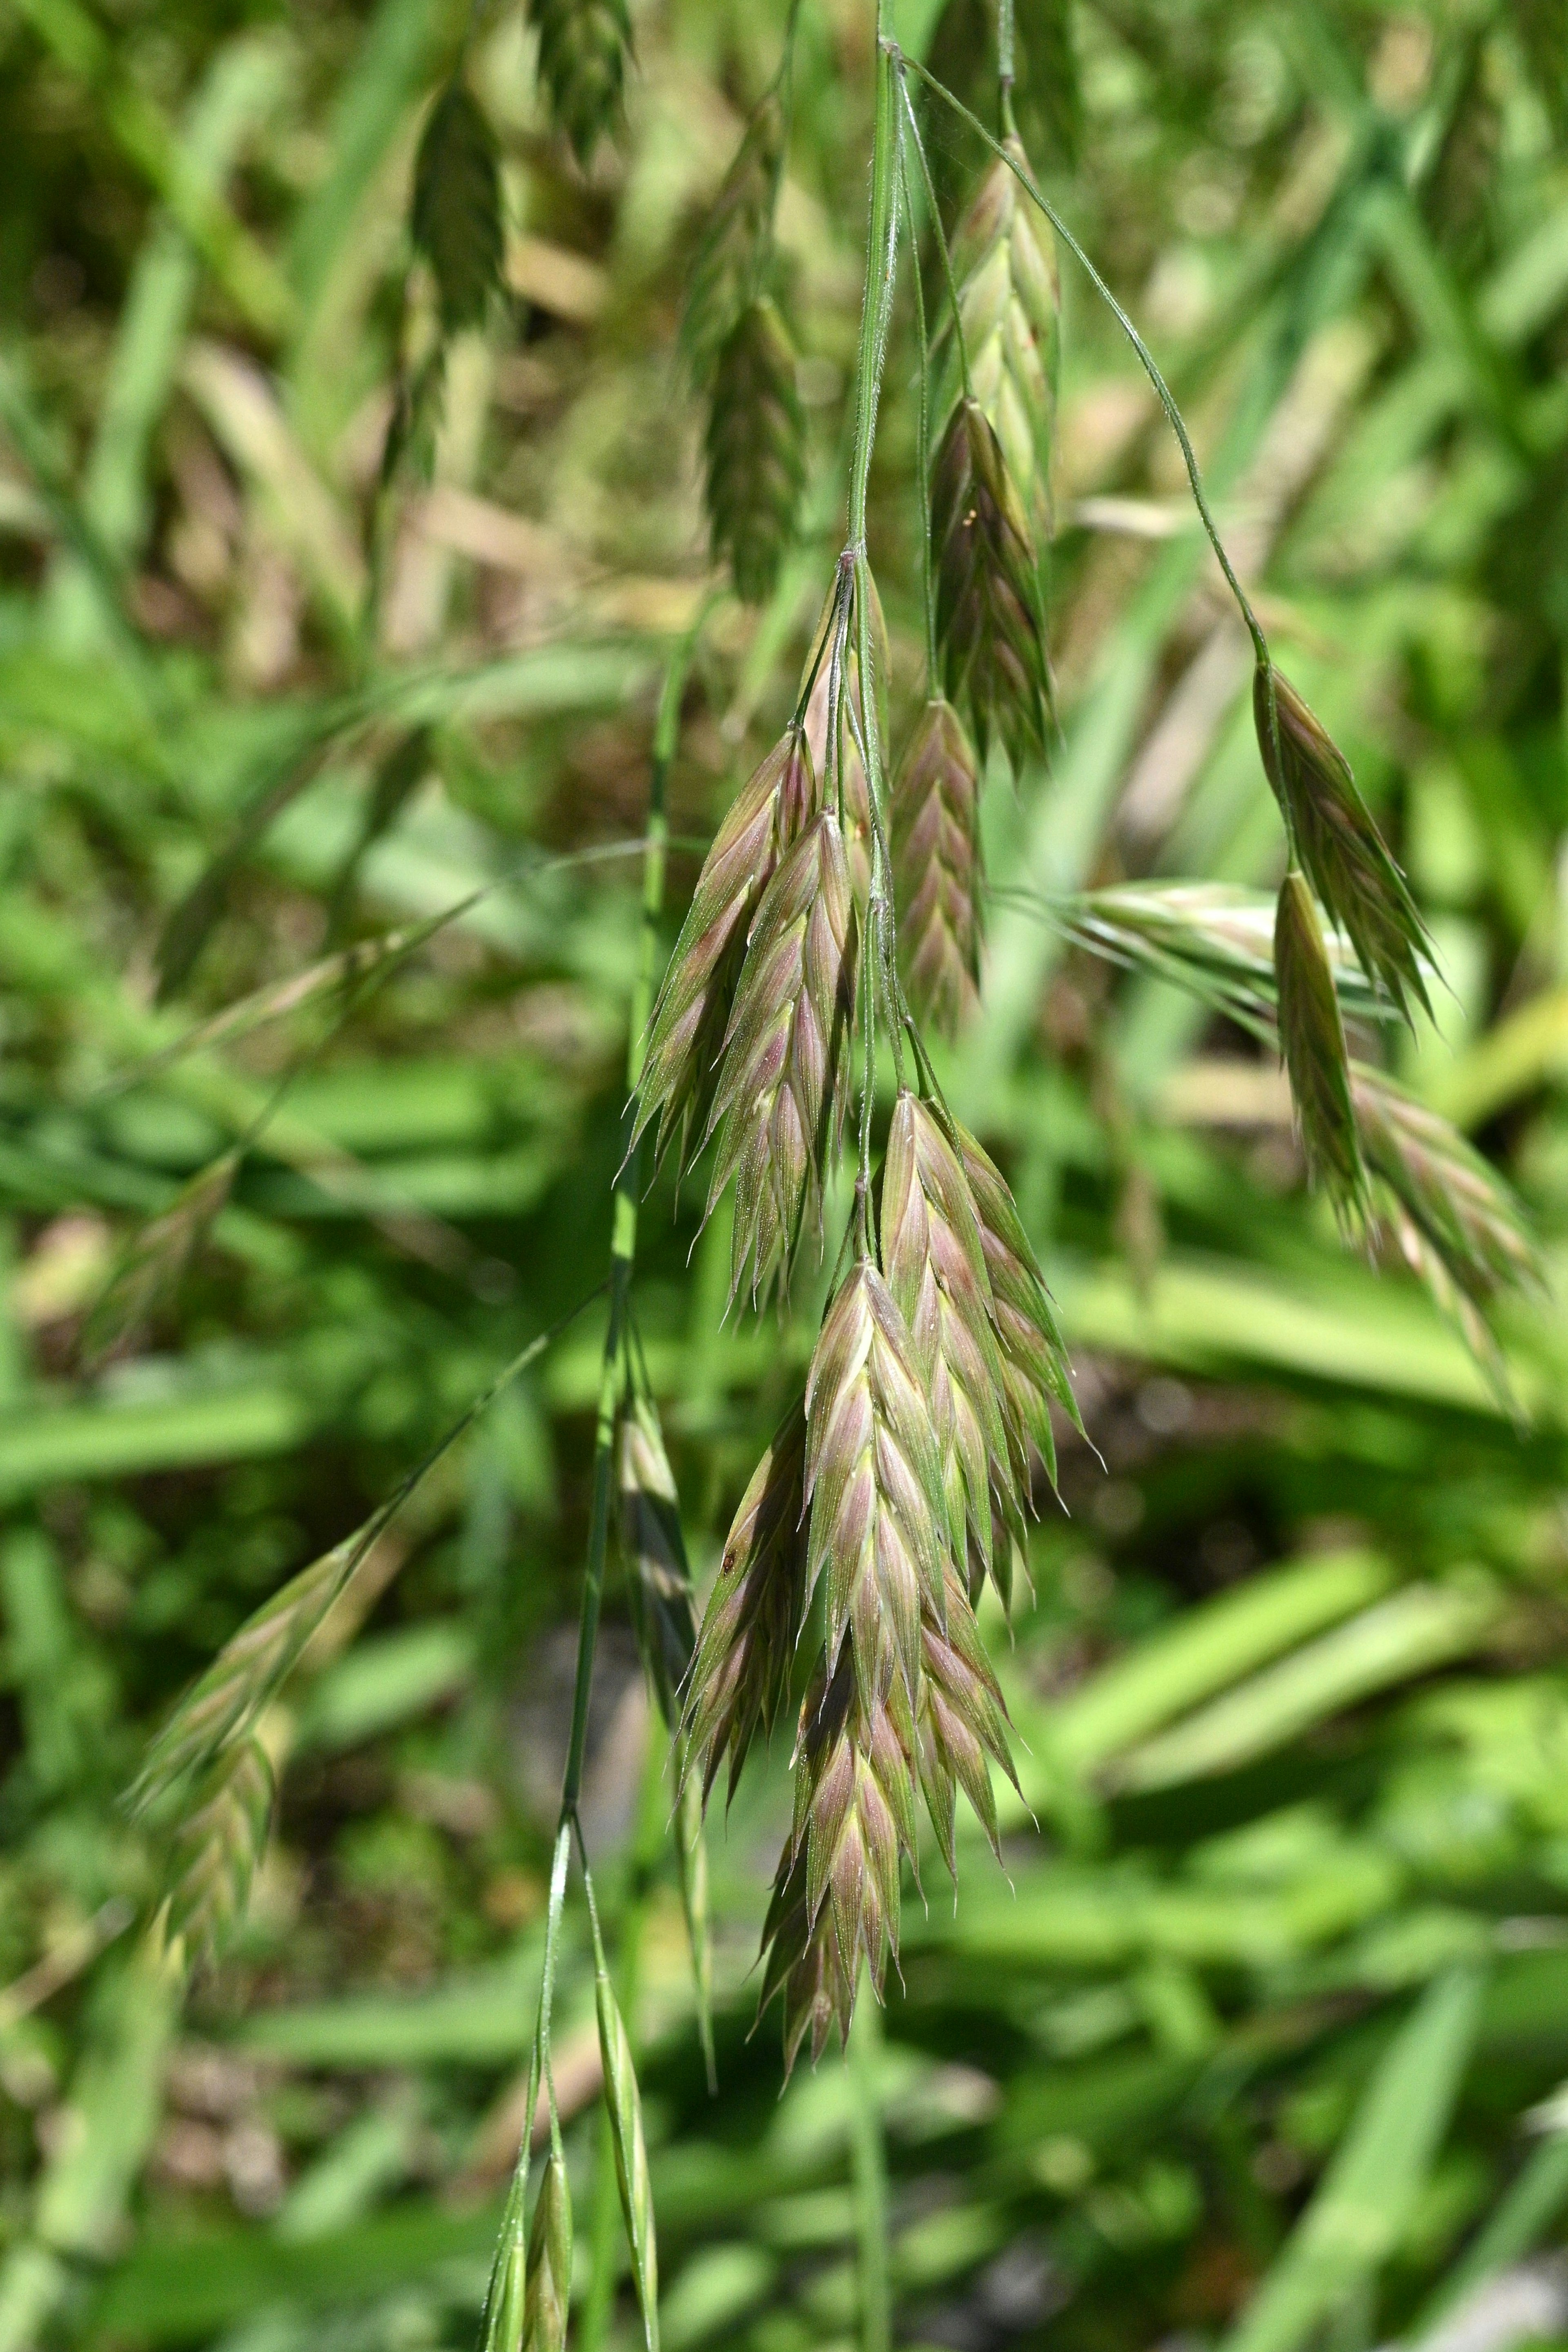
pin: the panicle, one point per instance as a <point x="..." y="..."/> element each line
<point x="691" y="1016"/>
<point x="990" y="619"/>
<point x="756" y="450"/>
<point x="583" y="46"/>
<point x="1004" y="261"/>
<point x="878" y="1531"/>
<point x="936" y="1263"/>
<point x="659" y="1581"/>
<point x="1312" y="1040"/>
<point x="741" y="1675"/>
<point x="778" y="1106"/>
<point x="934" y="825"/>
<point x="1341" y="849"/>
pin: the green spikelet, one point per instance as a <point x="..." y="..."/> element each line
<point x="1312" y="1040"/>
<point x="756" y="450"/>
<point x="456" y="219"/>
<point x="547" y="2296"/>
<point x="934" y="822"/>
<point x="729" y="260"/>
<point x="215" y="1853"/>
<point x="1004" y="259"/>
<point x="583" y="50"/>
<point x="990" y="621"/>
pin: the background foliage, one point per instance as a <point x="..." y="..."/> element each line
<point x="1259" y="2038"/>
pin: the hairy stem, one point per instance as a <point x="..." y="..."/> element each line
<point x="922" y="421"/>
<point x="881" y="266"/>
<point x="1026" y="179"/>
<point x="870" y="2172"/>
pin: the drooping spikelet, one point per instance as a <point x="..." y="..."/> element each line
<point x="741" y="1675"/>
<point x="962" y="1721"/>
<point x="1340" y="848"/>
<point x="154" y="1264"/>
<point x="990" y="621"/>
<point x="583" y="50"/>
<point x="455" y="217"/>
<point x="623" y="2105"/>
<point x="936" y="1263"/>
<point x="692" y="1015"/>
<point x="1004" y="261"/>
<point x="934" y="824"/>
<point x="727" y="267"/>
<point x="779" y="1104"/>
<point x="1034" y="1360"/>
<point x="659" y="1581"/>
<point x="878" y="1533"/>
<point x="756" y="450"/>
<point x="836" y="1896"/>
<point x="851" y="776"/>
<point x="1446" y="1195"/>
<point x="1312" y="1040"/>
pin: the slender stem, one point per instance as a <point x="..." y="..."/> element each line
<point x="1146" y="358"/>
<point x="913" y="128"/>
<point x="871" y="2170"/>
<point x="881" y="264"/>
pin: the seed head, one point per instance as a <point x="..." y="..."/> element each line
<point x="878" y="1532"/>
<point x="659" y="1581"/>
<point x="1340" y="848"/>
<point x="726" y="270"/>
<point x="1312" y="1040"/>
<point x="1004" y="259"/>
<point x="755" y="1612"/>
<point x="936" y="1263"/>
<point x="547" y="2296"/>
<point x="1033" y="1359"/>
<point x="583" y="46"/>
<point x="692" y="1015"/>
<point x="756" y="450"/>
<point x="990" y="621"/>
<point x="934" y="822"/>
<point x="778" y="1106"/>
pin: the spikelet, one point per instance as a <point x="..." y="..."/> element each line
<point x="741" y="1675"/>
<point x="156" y="1263"/>
<point x="1341" y="849"/>
<point x="990" y="621"/>
<point x="934" y="822"/>
<point x="659" y="1581"/>
<point x="1446" y="1194"/>
<point x="1212" y="939"/>
<point x="547" y="2294"/>
<point x="583" y="50"/>
<point x="836" y="1896"/>
<point x="935" y="1263"/>
<point x="1034" y="1360"/>
<point x="1004" y="261"/>
<point x="624" y="2105"/>
<point x="1312" y="1042"/>
<point x="456" y="218"/>
<point x="692" y="1015"/>
<point x="503" y="2319"/>
<point x="223" y="1705"/>
<point x="729" y="261"/>
<point x="852" y="770"/>
<point x="779" y="1106"/>
<point x="878" y="1533"/>
<point x="756" y="450"/>
<point x="962" y="1721"/>
<point x="217" y="1849"/>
